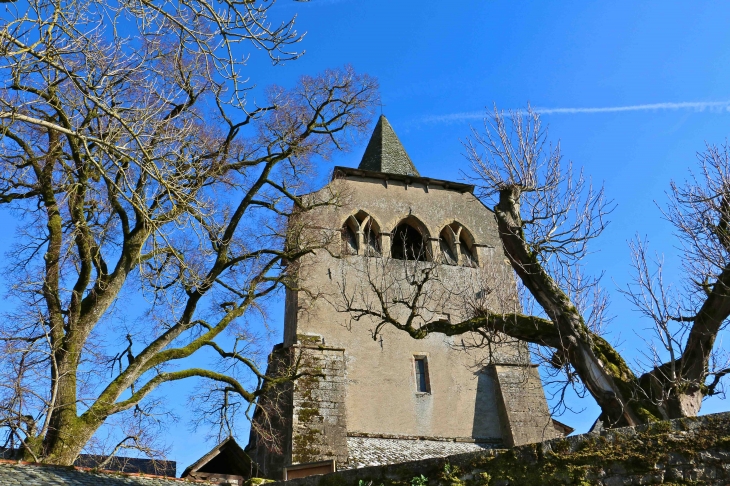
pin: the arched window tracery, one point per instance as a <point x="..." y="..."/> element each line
<point x="349" y="240"/>
<point x="361" y="235"/>
<point x="409" y="241"/>
<point x="457" y="246"/>
<point x="446" y="244"/>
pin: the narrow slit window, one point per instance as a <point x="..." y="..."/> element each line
<point x="421" y="375"/>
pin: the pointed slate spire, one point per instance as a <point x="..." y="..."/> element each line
<point x="385" y="153"/>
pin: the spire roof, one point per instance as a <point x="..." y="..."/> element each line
<point x="385" y="153"/>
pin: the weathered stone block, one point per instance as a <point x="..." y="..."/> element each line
<point x="653" y="478"/>
<point x="617" y="480"/>
<point x="319" y="430"/>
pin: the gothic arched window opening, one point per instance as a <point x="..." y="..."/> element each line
<point x="457" y="246"/>
<point x="349" y="240"/>
<point x="371" y="238"/>
<point x="408" y="243"/>
<point x="446" y="244"/>
<point x="361" y="235"/>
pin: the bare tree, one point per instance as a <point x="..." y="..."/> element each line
<point x="422" y="294"/>
<point x="137" y="168"/>
<point x="547" y="213"/>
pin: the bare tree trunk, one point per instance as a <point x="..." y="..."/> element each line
<point x="67" y="434"/>
<point x="602" y="378"/>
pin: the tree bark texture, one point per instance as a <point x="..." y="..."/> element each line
<point x="623" y="398"/>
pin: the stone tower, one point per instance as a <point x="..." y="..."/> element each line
<point x="395" y="398"/>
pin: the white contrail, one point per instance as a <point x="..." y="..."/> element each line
<point x="309" y="3"/>
<point x="715" y="106"/>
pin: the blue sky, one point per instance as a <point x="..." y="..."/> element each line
<point x="631" y="89"/>
<point x="441" y="63"/>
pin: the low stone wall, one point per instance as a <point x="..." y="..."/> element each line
<point x="682" y="451"/>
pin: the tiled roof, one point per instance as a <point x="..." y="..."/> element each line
<point x="385" y="153"/>
<point x="128" y="465"/>
<point x="154" y="467"/>
<point x="226" y="458"/>
<point x="17" y="474"/>
<point x="370" y="451"/>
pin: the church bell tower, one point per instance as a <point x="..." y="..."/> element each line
<point x="395" y="398"/>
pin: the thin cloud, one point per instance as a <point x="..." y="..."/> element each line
<point x="714" y="106"/>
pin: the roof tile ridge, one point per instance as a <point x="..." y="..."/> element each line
<point x="100" y="471"/>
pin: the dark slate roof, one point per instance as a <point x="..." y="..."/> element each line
<point x="385" y="153"/>
<point x="226" y="458"/>
<point x="340" y="171"/>
<point x="372" y="451"/>
<point x="129" y="465"/>
<point x="153" y="467"/>
<point x="17" y="474"/>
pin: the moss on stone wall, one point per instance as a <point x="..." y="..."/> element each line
<point x="307" y="441"/>
<point x="318" y="431"/>
<point x="256" y="482"/>
<point x="685" y="451"/>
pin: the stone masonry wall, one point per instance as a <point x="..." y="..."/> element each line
<point x="319" y="429"/>
<point x="462" y="401"/>
<point x="269" y="445"/>
<point x="524" y="414"/>
<point x="682" y="451"/>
